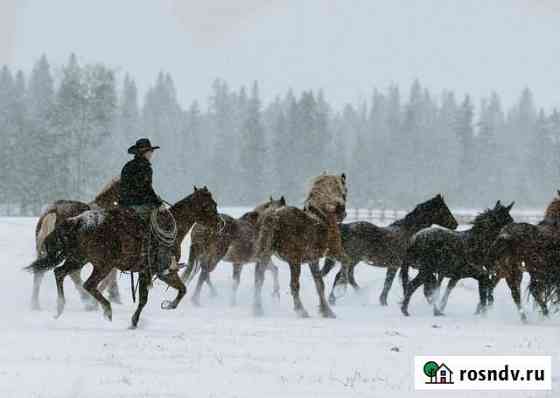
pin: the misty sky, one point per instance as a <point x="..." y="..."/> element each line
<point x="344" y="46"/>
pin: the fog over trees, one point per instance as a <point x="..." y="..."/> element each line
<point x="65" y="133"/>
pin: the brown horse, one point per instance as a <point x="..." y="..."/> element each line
<point x="53" y="216"/>
<point x="234" y="243"/>
<point x="303" y="236"/>
<point x="532" y="248"/>
<point x="114" y="238"/>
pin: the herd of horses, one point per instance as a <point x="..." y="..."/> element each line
<point x="71" y="234"/>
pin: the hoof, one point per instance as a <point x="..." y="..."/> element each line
<point x="133" y="325"/>
<point x="195" y="302"/>
<point x="35" y="307"/>
<point x="383" y="303"/>
<point x="332" y="299"/>
<point x="276" y="295"/>
<point x="524" y="318"/>
<point x="405" y="311"/>
<point x="168" y="305"/>
<point x="327" y="313"/>
<point x="302" y="313"/>
<point x="108" y="314"/>
<point x="438" y="313"/>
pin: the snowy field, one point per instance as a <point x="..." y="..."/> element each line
<point x="220" y="351"/>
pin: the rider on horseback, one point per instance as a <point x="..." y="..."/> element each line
<point x="137" y="194"/>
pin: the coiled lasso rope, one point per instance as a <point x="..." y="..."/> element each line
<point x="165" y="237"/>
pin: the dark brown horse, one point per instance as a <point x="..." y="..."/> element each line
<point x="53" y="216"/>
<point x="385" y="246"/>
<point x="114" y="238"/>
<point x="532" y="248"/>
<point x="439" y="253"/>
<point x="305" y="235"/>
<point x="234" y="243"/>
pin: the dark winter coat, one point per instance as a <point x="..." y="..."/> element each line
<point x="136" y="184"/>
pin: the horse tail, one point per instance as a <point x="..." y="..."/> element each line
<point x="55" y="247"/>
<point x="45" y="226"/>
<point x="193" y="265"/>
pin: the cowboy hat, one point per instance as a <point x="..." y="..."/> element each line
<point x="142" y="145"/>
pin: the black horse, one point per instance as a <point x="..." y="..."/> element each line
<point x="385" y="246"/>
<point x="439" y="253"/>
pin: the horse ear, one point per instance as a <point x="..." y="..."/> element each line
<point x="511" y="205"/>
<point x="343" y="175"/>
<point x="283" y="201"/>
<point x="195" y="188"/>
<point x="271" y="200"/>
<point x="558" y="192"/>
<point x="498" y="204"/>
<point x="439" y="196"/>
<point x="205" y="188"/>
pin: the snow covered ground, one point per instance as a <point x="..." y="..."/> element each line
<point x="222" y="351"/>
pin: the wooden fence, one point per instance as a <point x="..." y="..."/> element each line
<point x="387" y="216"/>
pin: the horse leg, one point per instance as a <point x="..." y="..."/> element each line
<point x="513" y="280"/>
<point x="409" y="291"/>
<point x="324" y="308"/>
<point x="236" y="280"/>
<point x="88" y="301"/>
<point x="341" y="281"/>
<point x="429" y="288"/>
<point x="143" y="284"/>
<point x="435" y="295"/>
<point x="328" y="266"/>
<point x="450" y="286"/>
<point x="275" y="280"/>
<point x="37" y="279"/>
<point x="99" y="272"/>
<point x="492" y="286"/>
<point x="389" y="278"/>
<point x="213" y="291"/>
<point x="195" y="299"/>
<point x="295" y="272"/>
<point x="483" y="289"/>
<point x="337" y="284"/>
<point x="536" y="287"/>
<point x="70" y="265"/>
<point x="112" y="286"/>
<point x="260" y="267"/>
<point x="351" y="278"/>
<point x="172" y="279"/>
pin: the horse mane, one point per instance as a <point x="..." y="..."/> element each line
<point x="552" y="212"/>
<point x="412" y="216"/>
<point x="109" y="194"/>
<point x="260" y="208"/>
<point x="326" y="193"/>
<point x="481" y="217"/>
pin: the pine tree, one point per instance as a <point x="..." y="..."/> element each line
<point x="39" y="104"/>
<point x="465" y="134"/>
<point x="253" y="149"/>
<point x="7" y="161"/>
